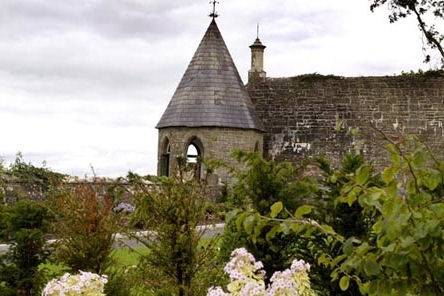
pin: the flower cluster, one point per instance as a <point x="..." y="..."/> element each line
<point x="124" y="208"/>
<point x="247" y="278"/>
<point x="85" y="283"/>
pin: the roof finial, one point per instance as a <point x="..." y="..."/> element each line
<point x="257" y="31"/>
<point x="214" y="13"/>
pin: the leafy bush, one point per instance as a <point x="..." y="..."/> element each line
<point x="85" y="226"/>
<point x="25" y="224"/>
<point x="120" y="282"/>
<point x="266" y="182"/>
<point x="29" y="181"/>
<point x="258" y="187"/>
<point x="172" y="208"/>
<point x="404" y="254"/>
<point x="401" y="252"/>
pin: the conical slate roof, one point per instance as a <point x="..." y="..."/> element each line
<point x="211" y="93"/>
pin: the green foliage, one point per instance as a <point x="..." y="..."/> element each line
<point x="2" y="182"/>
<point x="25" y="223"/>
<point x="260" y="186"/>
<point x="267" y="182"/>
<point x="30" y="181"/>
<point x="119" y="282"/>
<point x="424" y="74"/>
<point x="393" y="245"/>
<point x="404" y="253"/>
<point x="269" y="235"/>
<point x="171" y="209"/>
<point x="85" y="225"/>
<point x="46" y="272"/>
<point x="38" y="176"/>
<point x="313" y="77"/>
<point x="3" y="223"/>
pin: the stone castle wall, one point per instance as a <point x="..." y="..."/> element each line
<point x="301" y="113"/>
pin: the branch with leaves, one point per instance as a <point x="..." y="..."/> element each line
<point x="429" y="15"/>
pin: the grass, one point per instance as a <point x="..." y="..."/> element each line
<point x="128" y="257"/>
<point x="123" y="257"/>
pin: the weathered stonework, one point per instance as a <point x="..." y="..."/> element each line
<point x="301" y="113"/>
<point x="301" y="116"/>
<point x="217" y="144"/>
<point x="210" y="113"/>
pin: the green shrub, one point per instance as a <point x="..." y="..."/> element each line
<point x="262" y="184"/>
<point x="172" y="208"/>
<point x="266" y="182"/>
<point x="85" y="225"/>
<point x="119" y="282"/>
<point x="48" y="271"/>
<point x="397" y="245"/>
<point x="25" y="223"/>
<point x="404" y="252"/>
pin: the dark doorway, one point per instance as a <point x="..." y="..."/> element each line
<point x="165" y="159"/>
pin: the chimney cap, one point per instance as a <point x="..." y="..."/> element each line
<point x="257" y="44"/>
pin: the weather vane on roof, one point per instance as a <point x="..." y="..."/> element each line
<point x="214" y="13"/>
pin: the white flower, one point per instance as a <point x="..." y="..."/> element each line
<point x="300" y="266"/>
<point x="247" y="278"/>
<point x="85" y="283"/>
<point x="216" y="292"/>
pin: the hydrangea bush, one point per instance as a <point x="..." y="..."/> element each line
<point x="85" y="283"/>
<point x="247" y="278"/>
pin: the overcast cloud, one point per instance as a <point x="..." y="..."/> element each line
<point x="85" y="81"/>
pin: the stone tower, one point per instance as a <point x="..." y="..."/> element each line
<point x="210" y="114"/>
<point x="257" y="60"/>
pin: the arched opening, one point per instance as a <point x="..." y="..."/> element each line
<point x="165" y="158"/>
<point x="256" y="147"/>
<point x="194" y="155"/>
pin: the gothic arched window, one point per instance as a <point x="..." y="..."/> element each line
<point x="165" y="158"/>
<point x="194" y="155"/>
<point x="256" y="147"/>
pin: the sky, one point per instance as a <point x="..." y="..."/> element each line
<point x="84" y="82"/>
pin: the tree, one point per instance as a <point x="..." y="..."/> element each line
<point x="85" y="226"/>
<point x="178" y="262"/>
<point x="261" y="184"/>
<point x="426" y="12"/>
<point x="402" y="253"/>
<point x="25" y="224"/>
<point x="264" y="183"/>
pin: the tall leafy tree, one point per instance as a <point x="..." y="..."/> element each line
<point x="179" y="263"/>
<point x="428" y="13"/>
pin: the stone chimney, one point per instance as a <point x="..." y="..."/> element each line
<point x="257" y="61"/>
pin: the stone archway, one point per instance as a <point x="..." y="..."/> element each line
<point x="194" y="155"/>
<point x="165" y="158"/>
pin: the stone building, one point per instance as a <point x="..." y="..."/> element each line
<point x="212" y="112"/>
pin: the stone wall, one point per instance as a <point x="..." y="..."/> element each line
<point x="301" y="113"/>
<point x="12" y="191"/>
<point x="217" y="144"/>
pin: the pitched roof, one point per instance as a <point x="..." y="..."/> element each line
<point x="211" y="92"/>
